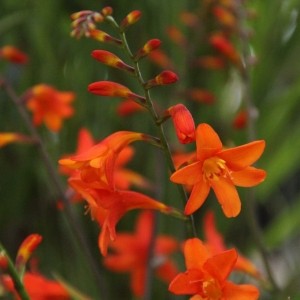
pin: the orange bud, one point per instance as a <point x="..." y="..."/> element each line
<point x="160" y="58"/>
<point x="112" y="89"/>
<point x="10" y="137"/>
<point x="201" y="95"/>
<point x="223" y="45"/>
<point x="13" y="54"/>
<point x="165" y="77"/>
<point x="224" y="16"/>
<point x="107" y="11"/>
<point x="183" y="123"/>
<point x="130" y="19"/>
<point x="147" y="48"/>
<point x="111" y="60"/>
<point x="189" y="19"/>
<point x="176" y="35"/>
<point x="80" y="14"/>
<point x="102" y="36"/>
<point x="27" y="248"/>
<point x="3" y="261"/>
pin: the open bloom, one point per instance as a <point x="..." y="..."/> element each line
<point x="38" y="287"/>
<point x="109" y="206"/>
<point x="220" y="169"/>
<point x="206" y="275"/>
<point x="97" y="165"/>
<point x="49" y="105"/>
<point x="130" y="253"/>
<point x="215" y="243"/>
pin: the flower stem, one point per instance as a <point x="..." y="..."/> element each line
<point x="18" y="284"/>
<point x="69" y="214"/>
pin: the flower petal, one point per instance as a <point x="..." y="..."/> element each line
<point x="189" y="175"/>
<point x="248" y="177"/>
<point x="186" y="283"/>
<point x="198" y="196"/>
<point x="233" y="291"/>
<point x="243" y="156"/>
<point x="227" y="196"/>
<point x="208" y="142"/>
<point x="195" y="254"/>
<point x="221" y="265"/>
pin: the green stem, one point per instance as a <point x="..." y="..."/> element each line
<point x="18" y="284"/>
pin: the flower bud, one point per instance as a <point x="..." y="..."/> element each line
<point x="107" y="11"/>
<point x="102" y="36"/>
<point x="201" y="95"/>
<point x="111" y="60"/>
<point x="13" y="54"/>
<point x="164" y="78"/>
<point x="147" y="48"/>
<point x="130" y="19"/>
<point x="183" y="123"/>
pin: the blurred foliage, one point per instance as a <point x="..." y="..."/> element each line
<point x="42" y="30"/>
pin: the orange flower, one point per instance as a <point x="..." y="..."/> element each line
<point x="13" y="54"/>
<point x="111" y="60"/>
<point x="102" y="36"/>
<point x="49" y="105"/>
<point x="183" y="123"/>
<point x="130" y="253"/>
<point x="165" y="77"/>
<point x="97" y="164"/>
<point x="112" y="89"/>
<point x="206" y="275"/>
<point x="150" y="46"/>
<point x="26" y="249"/>
<point x="11" y="137"/>
<point x="38" y="287"/>
<point x="215" y="243"/>
<point x="109" y="206"/>
<point x="220" y="169"/>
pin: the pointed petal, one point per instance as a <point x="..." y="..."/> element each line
<point x="245" y="265"/>
<point x="167" y="271"/>
<point x="195" y="253"/>
<point x="144" y="228"/>
<point x="208" y="142"/>
<point x="221" y="265"/>
<point x="227" y="196"/>
<point x="248" y="177"/>
<point x="187" y="283"/>
<point x="198" y="196"/>
<point x="120" y="263"/>
<point x="243" y="156"/>
<point x="189" y="175"/>
<point x="233" y="291"/>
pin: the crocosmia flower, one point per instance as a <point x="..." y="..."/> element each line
<point x="49" y="105"/>
<point x="13" y="54"/>
<point x="220" y="169"/>
<point x="206" y="275"/>
<point x="130" y="253"/>
<point x="164" y="78"/>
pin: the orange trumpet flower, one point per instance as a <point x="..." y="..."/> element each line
<point x="206" y="275"/>
<point x="220" y="169"/>
<point x="130" y="253"/>
<point x="109" y="206"/>
<point x="49" y="105"/>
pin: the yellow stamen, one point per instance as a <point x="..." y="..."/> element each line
<point x="213" y="168"/>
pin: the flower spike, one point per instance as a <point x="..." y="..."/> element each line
<point x="111" y="60"/>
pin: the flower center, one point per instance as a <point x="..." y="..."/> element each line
<point x="213" y="168"/>
<point x="211" y="290"/>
